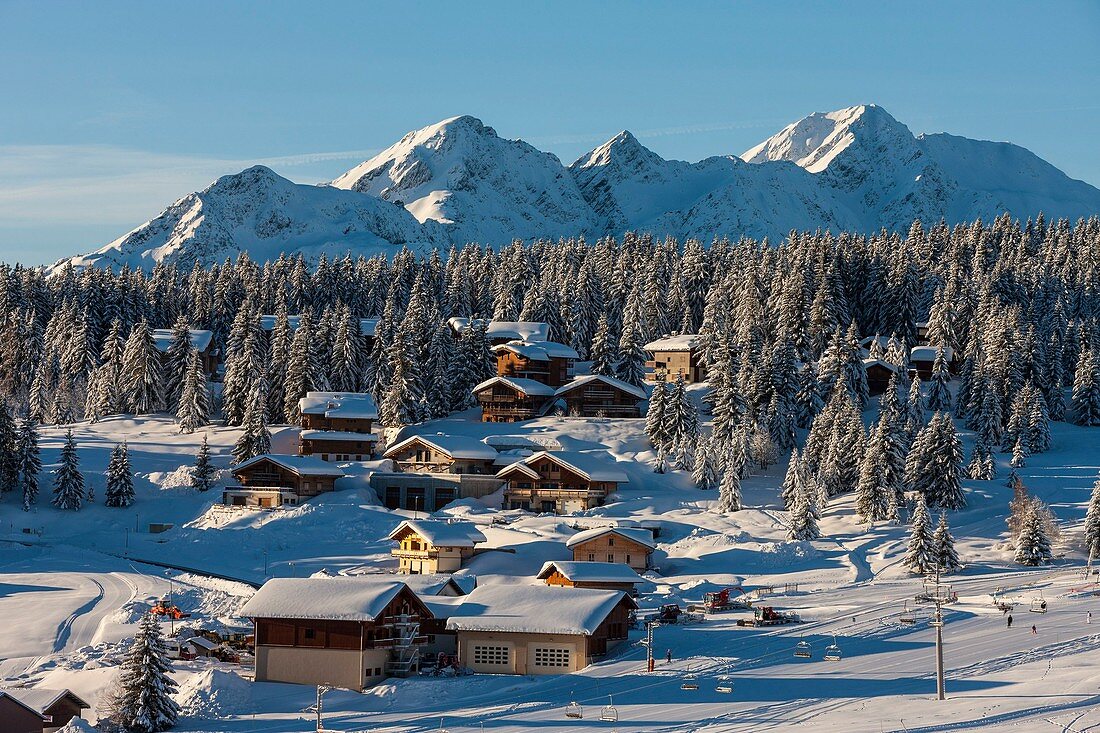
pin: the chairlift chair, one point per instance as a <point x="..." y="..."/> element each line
<point x="609" y="714"/>
<point x="573" y="710"/>
<point x="1038" y="604"/>
<point x="832" y="652"/>
<point x="689" y="682"/>
<point x="725" y="686"/>
<point x="802" y="649"/>
<point x="441" y="728"/>
<point x="907" y="617"/>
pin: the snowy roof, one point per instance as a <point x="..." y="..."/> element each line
<point x="538" y="350"/>
<point x="638" y="534"/>
<point x="684" y="342"/>
<point x="535" y="609"/>
<point x="868" y="363"/>
<point x="202" y="642"/>
<point x="434" y="585"/>
<point x="350" y="405"/>
<point x="587" y="465"/>
<point x="527" y="386"/>
<point x="39" y="699"/>
<point x="511" y="442"/>
<point x="928" y="353"/>
<point x="591" y="572"/>
<point x="441" y="533"/>
<point x="337" y="435"/>
<point x="496" y="330"/>
<point x="367" y="326"/>
<point x="299" y="465"/>
<point x="456" y="446"/>
<point x="611" y="381"/>
<point x="343" y="598"/>
<point x="200" y="339"/>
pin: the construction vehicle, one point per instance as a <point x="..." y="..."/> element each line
<point x="166" y="608"/>
<point x="768" y="616"/>
<point x="723" y="600"/>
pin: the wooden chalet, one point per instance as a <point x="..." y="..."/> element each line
<point x="601" y="575"/>
<point x="538" y="629"/>
<point x="675" y="355"/>
<point x="201" y="340"/>
<point x="595" y="395"/>
<point x="542" y="361"/>
<point x="511" y="399"/>
<point x="271" y="480"/>
<point x="923" y="358"/>
<point x="38" y="710"/>
<point x="431" y="546"/>
<point x="345" y="631"/>
<point x="338" y="426"/>
<point x="878" y="375"/>
<point x="560" y="482"/>
<point x="631" y="546"/>
<point x="439" y="453"/>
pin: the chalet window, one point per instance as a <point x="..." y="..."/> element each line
<point x="611" y="557"/>
<point x="610" y="541"/>
<point x="551" y="657"/>
<point x="310" y="633"/>
<point x="627" y="561"/>
<point x="591" y="557"/>
<point x="492" y="654"/>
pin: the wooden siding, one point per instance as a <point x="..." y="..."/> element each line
<point x="268" y="474"/>
<point x="613" y="548"/>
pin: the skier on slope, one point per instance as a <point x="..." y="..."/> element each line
<point x="1010" y="620"/>
<point x="1034" y="630"/>
<point x="668" y="656"/>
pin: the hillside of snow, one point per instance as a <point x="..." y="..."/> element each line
<point x="457" y="181"/>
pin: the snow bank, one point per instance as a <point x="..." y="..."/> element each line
<point x="215" y="693"/>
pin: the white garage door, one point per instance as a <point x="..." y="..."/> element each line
<point x="493" y="656"/>
<point x="552" y="658"/>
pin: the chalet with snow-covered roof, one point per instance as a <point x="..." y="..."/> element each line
<point x="430" y="546"/>
<point x="439" y="453"/>
<point x="538" y="629"/>
<point x="878" y="375"/>
<point x="345" y="631"/>
<point x="338" y="426"/>
<point x="273" y="480"/>
<point x="601" y="575"/>
<point x="596" y="395"/>
<point x="923" y="358"/>
<point x="560" y="482"/>
<point x="675" y="355"/>
<point x="38" y="710"/>
<point x="201" y="340"/>
<point x="631" y="546"/>
<point x="501" y="332"/>
<point x="541" y="361"/>
<point x="511" y="399"/>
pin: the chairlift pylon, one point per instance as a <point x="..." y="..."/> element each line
<point x="832" y="652"/>
<point x="609" y="714"/>
<point x="802" y="649"/>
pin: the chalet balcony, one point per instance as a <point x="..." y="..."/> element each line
<point x="415" y="554"/>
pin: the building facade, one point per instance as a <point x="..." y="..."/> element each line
<point x="676" y="355"/>
<point x="338" y="426"/>
<point x="560" y="482"/>
<point x="595" y="395"/>
<point x="430" y="546"/>
<point x="304" y="476"/>
<point x="630" y="546"/>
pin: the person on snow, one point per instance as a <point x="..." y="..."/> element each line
<point x="1088" y="619"/>
<point x="1034" y="630"/>
<point x="1010" y="620"/>
<point x="668" y="656"/>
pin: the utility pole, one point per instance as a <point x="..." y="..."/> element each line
<point x="937" y="622"/>
<point x="321" y="690"/>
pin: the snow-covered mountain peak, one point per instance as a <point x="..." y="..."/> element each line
<point x="622" y="151"/>
<point x="816" y="140"/>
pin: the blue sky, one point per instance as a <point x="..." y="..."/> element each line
<point x="111" y="110"/>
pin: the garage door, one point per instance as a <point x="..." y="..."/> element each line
<point x="491" y="657"/>
<point x="551" y="659"/>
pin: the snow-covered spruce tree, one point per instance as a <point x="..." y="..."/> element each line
<point x="203" y="473"/>
<point x="1037" y="430"/>
<point x="939" y="393"/>
<point x="803" y="519"/>
<point x="175" y="361"/>
<point x="944" y="545"/>
<point x="915" y="408"/>
<point x="142" y="383"/>
<point x="1092" y="523"/>
<point x="301" y="370"/>
<point x="1033" y="540"/>
<point x="982" y="466"/>
<point x="686" y="424"/>
<point x="144" y="697"/>
<point x="1019" y="454"/>
<point x="657" y="421"/>
<point x="1085" y="403"/>
<point x="255" y="440"/>
<point x="631" y="364"/>
<point x="729" y="487"/>
<point x="934" y="464"/>
<point x="30" y="462"/>
<point x="9" y="450"/>
<point x="705" y="474"/>
<point x="68" y="482"/>
<point x="793" y="481"/>
<point x="120" y="478"/>
<point x="605" y="355"/>
<point x="920" y="555"/>
<point x="193" y="409"/>
<point x="808" y="400"/>
<point x="875" y="495"/>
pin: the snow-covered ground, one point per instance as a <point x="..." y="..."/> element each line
<point x="73" y="585"/>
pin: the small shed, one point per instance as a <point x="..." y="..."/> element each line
<point x="878" y="375"/>
<point x="631" y="546"/>
<point x="53" y="708"/>
<point x="429" y="546"/>
<point x="602" y="575"/>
